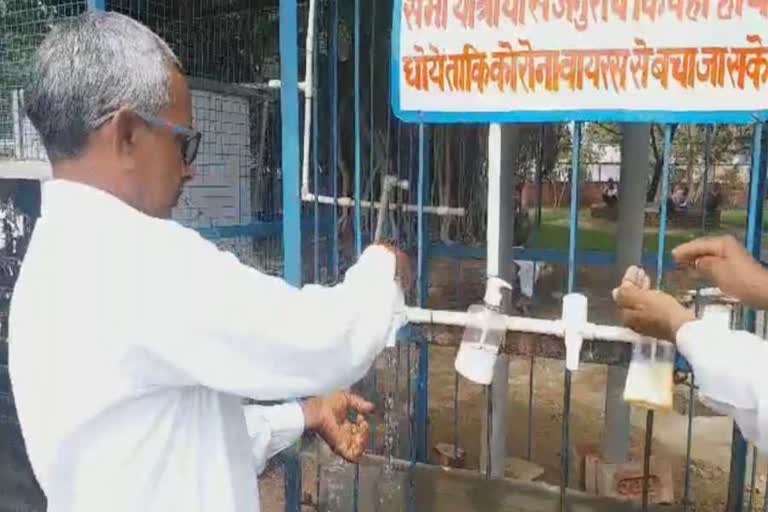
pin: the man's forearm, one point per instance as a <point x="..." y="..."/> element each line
<point x="756" y="293"/>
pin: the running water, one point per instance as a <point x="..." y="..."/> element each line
<point x="389" y="386"/>
<point x="337" y="493"/>
<point x="391" y="487"/>
<point x="388" y="483"/>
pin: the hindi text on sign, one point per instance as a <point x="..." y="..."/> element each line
<point x="523" y="69"/>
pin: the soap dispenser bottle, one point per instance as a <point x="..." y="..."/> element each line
<point x="483" y="335"/>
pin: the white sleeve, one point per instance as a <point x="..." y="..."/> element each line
<point x="218" y="323"/>
<point x="272" y="429"/>
<point x="730" y="371"/>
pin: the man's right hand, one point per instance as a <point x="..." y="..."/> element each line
<point x="729" y="266"/>
<point x="649" y="312"/>
<point x="403" y="271"/>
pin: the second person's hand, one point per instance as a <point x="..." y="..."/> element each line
<point x="726" y="262"/>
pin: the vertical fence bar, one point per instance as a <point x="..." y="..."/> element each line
<point x="689" y="443"/>
<point x="315" y="152"/>
<point x="531" y="373"/>
<point x="753" y="243"/>
<point x="422" y="385"/>
<point x="539" y="200"/>
<point x="358" y="211"/>
<point x="97" y="5"/>
<point x="649" y="418"/>
<point x="358" y="128"/>
<point x="565" y="448"/>
<point x="753" y="478"/>
<point x="708" y="139"/>
<point x="574" y="213"/>
<point x="539" y="179"/>
<point x="456" y="377"/>
<point x="412" y="166"/>
<point x="371" y="114"/>
<point x="333" y="87"/>
<point x="663" y="220"/>
<point x="289" y="111"/>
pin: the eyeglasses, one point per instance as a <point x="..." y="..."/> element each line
<point x="189" y="137"/>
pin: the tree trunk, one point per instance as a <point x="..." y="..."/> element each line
<point x="658" y="153"/>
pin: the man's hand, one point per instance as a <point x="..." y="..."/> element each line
<point x="403" y="269"/>
<point x="729" y="266"/>
<point x="649" y="312"/>
<point x="329" y="417"/>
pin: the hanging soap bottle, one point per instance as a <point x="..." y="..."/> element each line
<point x="650" y="379"/>
<point x="483" y="335"/>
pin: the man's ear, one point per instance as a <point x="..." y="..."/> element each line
<point x="126" y="130"/>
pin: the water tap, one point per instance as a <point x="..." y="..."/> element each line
<point x="494" y="290"/>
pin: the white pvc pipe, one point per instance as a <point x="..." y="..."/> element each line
<point x="308" y="95"/>
<point x="348" y="202"/>
<point x="493" y="231"/>
<point x="556" y="328"/>
<point x="387" y="184"/>
<point x="308" y="87"/>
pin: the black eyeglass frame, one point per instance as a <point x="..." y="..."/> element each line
<point x="189" y="137"/>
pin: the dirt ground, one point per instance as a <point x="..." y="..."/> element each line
<point x="455" y="286"/>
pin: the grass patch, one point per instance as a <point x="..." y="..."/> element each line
<point x="600" y="235"/>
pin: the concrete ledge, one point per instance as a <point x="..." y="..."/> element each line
<point x="453" y="490"/>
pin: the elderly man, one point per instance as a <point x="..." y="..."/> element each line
<point x="133" y="341"/>
<point x="730" y="366"/>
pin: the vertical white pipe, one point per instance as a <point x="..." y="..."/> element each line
<point x="494" y="200"/>
<point x="309" y="93"/>
<point x="18" y="125"/>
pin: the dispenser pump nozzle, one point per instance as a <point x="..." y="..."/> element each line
<point x="493" y="291"/>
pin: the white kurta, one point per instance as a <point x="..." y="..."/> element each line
<point x="731" y="370"/>
<point x="272" y="430"/>
<point x="133" y="341"/>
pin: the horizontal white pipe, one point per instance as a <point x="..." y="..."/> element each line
<point x="588" y="331"/>
<point x="272" y="85"/>
<point x="441" y="211"/>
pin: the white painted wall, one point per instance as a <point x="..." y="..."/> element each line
<point x="219" y="195"/>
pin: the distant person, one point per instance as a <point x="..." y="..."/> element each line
<point x="611" y="193"/>
<point x="677" y="202"/>
<point x="680" y="198"/>
<point x="714" y="199"/>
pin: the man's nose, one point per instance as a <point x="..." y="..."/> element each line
<point x="189" y="172"/>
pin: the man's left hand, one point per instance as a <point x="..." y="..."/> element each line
<point x="329" y="417"/>
<point x="649" y="312"/>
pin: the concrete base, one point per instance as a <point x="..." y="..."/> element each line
<point x="450" y="456"/>
<point x="622" y="481"/>
<point x="419" y="487"/>
<point x="522" y="470"/>
<point x="625" y="481"/>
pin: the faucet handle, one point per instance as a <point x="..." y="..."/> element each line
<point x="493" y="290"/>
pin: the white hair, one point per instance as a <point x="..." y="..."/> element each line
<point x="91" y="66"/>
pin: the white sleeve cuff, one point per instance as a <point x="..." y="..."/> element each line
<point x="272" y="429"/>
<point x="288" y="418"/>
<point x="725" y="362"/>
